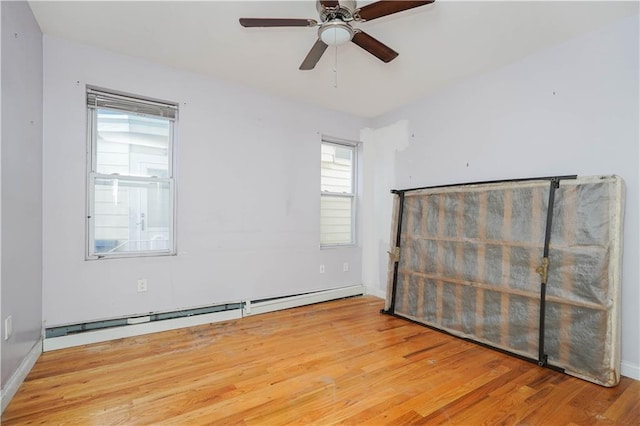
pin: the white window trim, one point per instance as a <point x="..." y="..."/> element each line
<point x="92" y="175"/>
<point x="353" y="195"/>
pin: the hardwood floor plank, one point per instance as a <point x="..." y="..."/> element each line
<point x="625" y="407"/>
<point x="338" y="362"/>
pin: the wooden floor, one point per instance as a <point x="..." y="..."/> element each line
<point x="336" y="362"/>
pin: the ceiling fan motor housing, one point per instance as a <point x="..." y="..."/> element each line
<point x="343" y="11"/>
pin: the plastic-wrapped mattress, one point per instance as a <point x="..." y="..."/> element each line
<point x="470" y="260"/>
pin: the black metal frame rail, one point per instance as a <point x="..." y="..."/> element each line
<point x="392" y="304"/>
<point x="554" y="183"/>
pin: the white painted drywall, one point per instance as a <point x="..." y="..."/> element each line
<point x="571" y="109"/>
<point x="1" y="317"/>
<point x="248" y="178"/>
<point x="21" y="184"/>
<point x="379" y="148"/>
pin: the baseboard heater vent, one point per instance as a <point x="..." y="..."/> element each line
<point x="100" y="331"/>
<point x="262" y="306"/>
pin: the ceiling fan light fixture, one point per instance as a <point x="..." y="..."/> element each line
<point x="335" y="33"/>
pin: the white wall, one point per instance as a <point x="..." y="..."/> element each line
<point x="1" y="338"/>
<point x="570" y="109"/>
<point x="248" y="193"/>
<point x="21" y="186"/>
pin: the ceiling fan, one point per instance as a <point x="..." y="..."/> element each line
<point x="335" y="26"/>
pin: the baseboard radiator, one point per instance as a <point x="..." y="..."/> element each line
<point x="276" y="304"/>
<point x="118" y="328"/>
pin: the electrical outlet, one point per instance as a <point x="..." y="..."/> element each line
<point x="345" y="267"/>
<point x="322" y="269"/>
<point x="8" y="327"/>
<point x="142" y="285"/>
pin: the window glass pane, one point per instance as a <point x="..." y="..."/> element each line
<point x="131" y="216"/>
<point x="130" y="144"/>
<point x="336" y="170"/>
<point x="335" y="220"/>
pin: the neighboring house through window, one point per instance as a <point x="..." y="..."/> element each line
<point x="131" y="188"/>
<point x="337" y="193"/>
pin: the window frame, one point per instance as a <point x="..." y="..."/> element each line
<point x="148" y="107"/>
<point x="353" y="195"/>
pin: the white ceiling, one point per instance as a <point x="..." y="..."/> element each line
<point x="439" y="44"/>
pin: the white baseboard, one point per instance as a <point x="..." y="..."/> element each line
<point x="14" y="382"/>
<point x="377" y="292"/>
<point x="114" y="333"/>
<point x="630" y="370"/>
<point x="254" y="308"/>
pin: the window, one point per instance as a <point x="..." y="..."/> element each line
<point x="131" y="188"/>
<point x="337" y="193"/>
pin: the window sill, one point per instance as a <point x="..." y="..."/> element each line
<point x="337" y="246"/>
<point x="129" y="255"/>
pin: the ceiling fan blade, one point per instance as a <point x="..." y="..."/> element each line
<point x="373" y="46"/>
<point x="277" y="22"/>
<point x="329" y="3"/>
<point x="384" y="8"/>
<point x="314" y="55"/>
